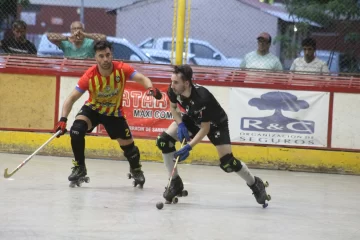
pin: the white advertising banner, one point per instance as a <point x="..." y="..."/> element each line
<point x="278" y="117"/>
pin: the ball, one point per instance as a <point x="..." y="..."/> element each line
<point x="159" y="205"/>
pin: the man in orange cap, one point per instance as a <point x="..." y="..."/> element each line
<point x="262" y="58"/>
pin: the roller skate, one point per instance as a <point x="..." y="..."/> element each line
<point x="259" y="191"/>
<point x="138" y="176"/>
<point x="175" y="190"/>
<point x="78" y="175"/>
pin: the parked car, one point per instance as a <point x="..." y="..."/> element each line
<point x="122" y="49"/>
<point x="165" y="56"/>
<point x="199" y="52"/>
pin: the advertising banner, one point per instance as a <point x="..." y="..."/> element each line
<point x="265" y="116"/>
<point x="146" y="116"/>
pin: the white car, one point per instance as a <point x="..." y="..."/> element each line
<point x="199" y="52"/>
<point x="122" y="49"/>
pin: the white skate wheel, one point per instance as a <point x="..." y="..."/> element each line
<point x="175" y="200"/>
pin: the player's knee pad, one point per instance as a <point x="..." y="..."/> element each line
<point x="166" y="143"/>
<point x="78" y="129"/>
<point x="132" y="153"/>
<point x="230" y="164"/>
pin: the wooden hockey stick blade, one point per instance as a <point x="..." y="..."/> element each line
<point x="7" y="175"/>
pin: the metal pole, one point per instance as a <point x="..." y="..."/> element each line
<point x="180" y="32"/>
<point x="82" y="12"/>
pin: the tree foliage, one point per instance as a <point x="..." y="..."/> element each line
<point x="324" y="12"/>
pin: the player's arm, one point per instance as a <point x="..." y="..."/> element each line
<point x="175" y="113"/>
<point x="204" y="130"/>
<point x="141" y="79"/>
<point x="147" y="84"/>
<point x="69" y="102"/>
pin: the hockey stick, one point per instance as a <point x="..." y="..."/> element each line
<point x="176" y="162"/>
<point x="7" y="175"/>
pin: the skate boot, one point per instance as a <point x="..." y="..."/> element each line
<point x="78" y="175"/>
<point x="176" y="189"/>
<point x="259" y="191"/>
<point x="138" y="176"/>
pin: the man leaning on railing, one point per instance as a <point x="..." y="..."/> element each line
<point x="17" y="43"/>
<point x="309" y="63"/>
<point x="79" y="44"/>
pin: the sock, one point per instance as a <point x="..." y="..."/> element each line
<point x="245" y="174"/>
<point x="169" y="163"/>
<point x="78" y="147"/>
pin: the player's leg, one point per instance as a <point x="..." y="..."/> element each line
<point x="230" y="164"/>
<point x="84" y="122"/>
<point x="166" y="143"/>
<point x="118" y="129"/>
<point x="221" y="139"/>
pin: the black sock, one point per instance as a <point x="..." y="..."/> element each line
<point x="78" y="147"/>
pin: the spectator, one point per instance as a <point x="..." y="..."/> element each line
<point x="18" y="44"/>
<point x="79" y="44"/>
<point x="262" y="58"/>
<point x="309" y="63"/>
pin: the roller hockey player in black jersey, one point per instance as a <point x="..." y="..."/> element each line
<point x="203" y="117"/>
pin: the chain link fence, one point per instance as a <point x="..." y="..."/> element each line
<point x="219" y="33"/>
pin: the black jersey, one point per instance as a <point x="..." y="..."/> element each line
<point x="10" y="45"/>
<point x="201" y="106"/>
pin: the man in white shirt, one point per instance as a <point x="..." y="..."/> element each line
<point x="262" y="58"/>
<point x="309" y="63"/>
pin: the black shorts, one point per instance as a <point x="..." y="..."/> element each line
<point x="218" y="135"/>
<point x="116" y="127"/>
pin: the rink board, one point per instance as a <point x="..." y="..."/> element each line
<point x="27" y="101"/>
<point x="204" y="153"/>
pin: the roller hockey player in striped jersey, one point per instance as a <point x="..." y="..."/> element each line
<point x="105" y="83"/>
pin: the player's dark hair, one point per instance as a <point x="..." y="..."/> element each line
<point x="309" y="42"/>
<point x="19" y="24"/>
<point x="102" y="45"/>
<point x="186" y="72"/>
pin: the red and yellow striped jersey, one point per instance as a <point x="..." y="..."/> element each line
<point x="106" y="93"/>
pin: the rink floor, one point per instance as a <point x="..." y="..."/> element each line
<point x="36" y="203"/>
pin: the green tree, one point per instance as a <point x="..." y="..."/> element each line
<point x="8" y="9"/>
<point x="327" y="13"/>
<point x="324" y="12"/>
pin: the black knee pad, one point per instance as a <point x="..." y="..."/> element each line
<point x="166" y="143"/>
<point x="78" y="129"/>
<point x="132" y="153"/>
<point x="230" y="164"/>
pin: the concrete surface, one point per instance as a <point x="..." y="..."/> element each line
<point x="36" y="203"/>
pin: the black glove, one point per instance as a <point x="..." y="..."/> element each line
<point x="151" y="91"/>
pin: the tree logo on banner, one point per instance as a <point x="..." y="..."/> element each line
<point x="278" y="101"/>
